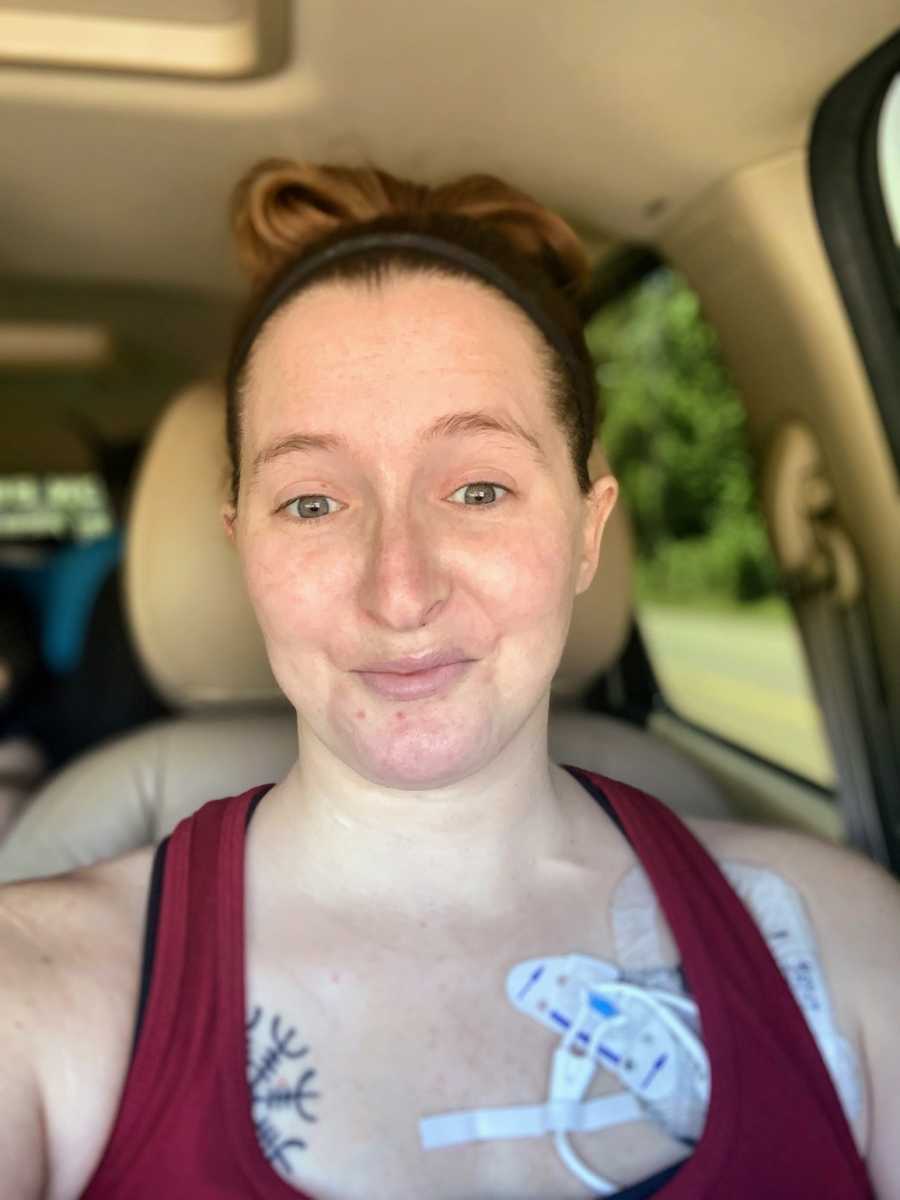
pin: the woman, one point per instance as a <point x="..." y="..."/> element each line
<point x="401" y="971"/>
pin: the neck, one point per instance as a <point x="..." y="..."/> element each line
<point x="469" y="855"/>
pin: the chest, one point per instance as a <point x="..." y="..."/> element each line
<point x="348" y="1052"/>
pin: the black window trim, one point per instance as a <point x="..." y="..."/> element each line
<point x="849" y="207"/>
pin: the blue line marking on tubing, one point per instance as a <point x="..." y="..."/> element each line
<point x="559" y="1019"/>
<point x="616" y="1058"/>
<point x="656" y="1066"/>
<point x="535" y="976"/>
<point x="603" y="1006"/>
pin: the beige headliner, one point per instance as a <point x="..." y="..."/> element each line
<point x="620" y="114"/>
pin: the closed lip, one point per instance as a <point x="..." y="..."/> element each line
<point x="414" y="663"/>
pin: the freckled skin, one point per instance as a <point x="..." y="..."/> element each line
<point x="408" y="568"/>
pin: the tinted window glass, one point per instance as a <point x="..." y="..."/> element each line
<point x="720" y="635"/>
<point x="64" y="507"/>
<point x="889" y="157"/>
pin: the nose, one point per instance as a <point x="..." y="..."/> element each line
<point x="404" y="584"/>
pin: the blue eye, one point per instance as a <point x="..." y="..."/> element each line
<point x="480" y="494"/>
<point x="311" y="507"/>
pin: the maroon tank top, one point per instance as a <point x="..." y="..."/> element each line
<point x="775" y="1129"/>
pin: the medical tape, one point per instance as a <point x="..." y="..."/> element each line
<point x="637" y="1034"/>
<point x="529" y="1120"/>
<point x="784" y="923"/>
<point x="643" y="1035"/>
<point x="636" y="1020"/>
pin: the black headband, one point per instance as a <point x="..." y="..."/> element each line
<point x="296" y="276"/>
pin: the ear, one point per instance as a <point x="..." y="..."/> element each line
<point x="229" y="516"/>
<point x="598" y="504"/>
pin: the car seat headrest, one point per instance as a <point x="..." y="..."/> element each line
<point x="193" y="625"/>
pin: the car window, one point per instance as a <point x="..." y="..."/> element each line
<point x="720" y="635"/>
<point x="70" y="506"/>
<point x="888" y="152"/>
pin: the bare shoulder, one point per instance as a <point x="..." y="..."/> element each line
<point x="854" y="905"/>
<point x="70" y="951"/>
<point x="833" y="878"/>
<point x="84" y="918"/>
<point x="854" y="902"/>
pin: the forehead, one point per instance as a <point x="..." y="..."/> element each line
<point x="431" y="336"/>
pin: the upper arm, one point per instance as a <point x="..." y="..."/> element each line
<point x="24" y="1164"/>
<point x="69" y="971"/>
<point x="875" y="896"/>
<point x="854" y="906"/>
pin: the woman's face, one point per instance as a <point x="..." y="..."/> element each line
<point x="406" y="494"/>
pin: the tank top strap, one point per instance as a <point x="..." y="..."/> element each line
<point x="772" y="1100"/>
<point x="186" y="1015"/>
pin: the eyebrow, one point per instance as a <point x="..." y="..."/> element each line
<point x="453" y="425"/>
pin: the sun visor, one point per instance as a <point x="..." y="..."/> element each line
<point x="217" y="39"/>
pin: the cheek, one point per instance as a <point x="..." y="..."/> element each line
<point x="527" y="576"/>
<point x="528" y="592"/>
<point x="295" y="590"/>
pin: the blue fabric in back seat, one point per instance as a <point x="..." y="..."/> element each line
<point x="64" y="590"/>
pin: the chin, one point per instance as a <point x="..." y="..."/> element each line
<point x="421" y="761"/>
<point x="430" y="743"/>
<point x="397" y="749"/>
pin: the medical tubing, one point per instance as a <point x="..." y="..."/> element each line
<point x="569" y="1079"/>
<point x="659" y="1001"/>
<point x="572" y="1074"/>
<point x="577" y="1167"/>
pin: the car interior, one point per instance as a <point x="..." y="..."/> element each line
<point x="734" y="164"/>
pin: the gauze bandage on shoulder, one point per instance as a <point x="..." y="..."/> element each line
<point x="634" y="1020"/>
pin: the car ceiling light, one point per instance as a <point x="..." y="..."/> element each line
<point x="211" y="38"/>
<point x="52" y="344"/>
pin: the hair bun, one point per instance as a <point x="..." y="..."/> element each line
<point x="283" y="208"/>
<point x="537" y="232"/>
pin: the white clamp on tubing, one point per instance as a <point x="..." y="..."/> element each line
<point x="640" y="1034"/>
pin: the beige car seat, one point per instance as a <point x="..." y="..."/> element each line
<point x="199" y="642"/>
